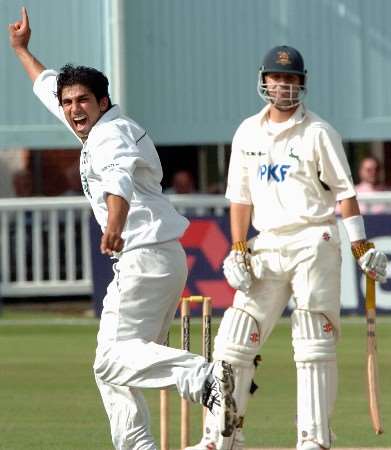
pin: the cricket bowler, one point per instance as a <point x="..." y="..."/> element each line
<point x="121" y="174"/>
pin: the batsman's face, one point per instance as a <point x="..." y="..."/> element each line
<point x="81" y="108"/>
<point x="283" y="88"/>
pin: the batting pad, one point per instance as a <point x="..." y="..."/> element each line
<point x="237" y="342"/>
<point x="238" y="338"/>
<point x="314" y="342"/>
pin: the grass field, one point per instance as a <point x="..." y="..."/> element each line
<point x="48" y="399"/>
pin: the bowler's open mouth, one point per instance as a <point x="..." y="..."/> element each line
<point x="79" y="122"/>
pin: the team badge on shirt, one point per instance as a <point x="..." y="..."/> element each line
<point x="292" y="155"/>
<point x="85" y="185"/>
<point x="83" y="175"/>
<point x="326" y="236"/>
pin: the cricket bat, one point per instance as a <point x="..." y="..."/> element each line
<point x="372" y="365"/>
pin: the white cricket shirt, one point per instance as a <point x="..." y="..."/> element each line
<point x="292" y="174"/>
<point x="119" y="158"/>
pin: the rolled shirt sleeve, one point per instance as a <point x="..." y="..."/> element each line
<point x="334" y="169"/>
<point x="45" y="88"/>
<point x="238" y="190"/>
<point x="115" y="160"/>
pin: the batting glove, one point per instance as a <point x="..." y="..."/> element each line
<point x="371" y="261"/>
<point x="256" y="266"/>
<point x="236" y="267"/>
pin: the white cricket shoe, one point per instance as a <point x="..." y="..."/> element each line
<point x="208" y="444"/>
<point x="217" y="397"/>
<point x="205" y="444"/>
<point x="310" y="445"/>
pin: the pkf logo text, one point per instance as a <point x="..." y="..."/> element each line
<point x="274" y="172"/>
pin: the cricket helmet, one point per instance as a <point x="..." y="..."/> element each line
<point x="283" y="59"/>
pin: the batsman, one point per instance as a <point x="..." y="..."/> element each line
<point x="287" y="171"/>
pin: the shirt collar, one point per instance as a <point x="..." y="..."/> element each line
<point x="297" y="117"/>
<point x="113" y="113"/>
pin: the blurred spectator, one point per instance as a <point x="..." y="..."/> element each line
<point x="369" y="181"/>
<point x="182" y="183"/>
<point x="217" y="188"/>
<point x="11" y="161"/>
<point x="369" y="175"/>
<point x="23" y="183"/>
<point x="72" y="178"/>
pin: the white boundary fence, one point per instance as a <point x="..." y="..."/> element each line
<point x="45" y="241"/>
<point x="45" y="246"/>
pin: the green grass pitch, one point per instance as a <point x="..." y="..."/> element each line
<point x="48" y="398"/>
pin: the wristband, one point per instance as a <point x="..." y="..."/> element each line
<point x="361" y="248"/>
<point x="240" y="246"/>
<point x="354" y="227"/>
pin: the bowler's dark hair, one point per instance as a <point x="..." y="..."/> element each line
<point x="89" y="77"/>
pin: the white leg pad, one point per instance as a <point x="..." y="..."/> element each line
<point x="243" y="379"/>
<point x="238" y="338"/>
<point x="238" y="342"/>
<point x="314" y="343"/>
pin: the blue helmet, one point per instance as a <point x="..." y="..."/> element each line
<point x="283" y="59"/>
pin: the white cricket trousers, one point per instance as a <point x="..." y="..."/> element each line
<point x="304" y="265"/>
<point x="137" y="311"/>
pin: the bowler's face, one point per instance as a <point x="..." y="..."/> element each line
<point x="81" y="109"/>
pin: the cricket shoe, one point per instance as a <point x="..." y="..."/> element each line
<point x="310" y="445"/>
<point x="217" y="397"/>
<point x="207" y="444"/>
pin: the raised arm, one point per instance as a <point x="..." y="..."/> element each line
<point x="45" y="86"/>
<point x="19" y="36"/>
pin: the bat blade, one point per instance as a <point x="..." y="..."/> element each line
<point x="372" y="364"/>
